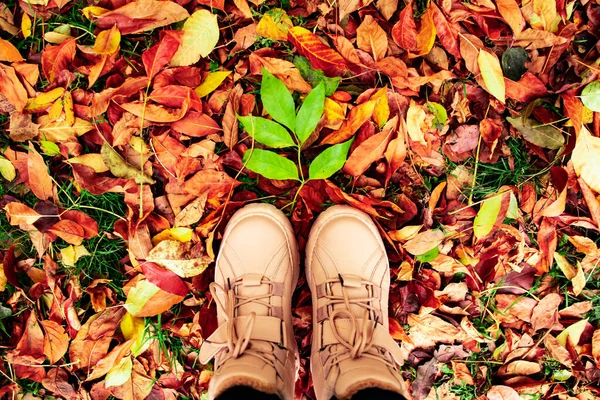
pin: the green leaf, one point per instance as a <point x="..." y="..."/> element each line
<point x="270" y="165"/>
<point x="430" y="255"/>
<point x="49" y="148"/>
<point x="590" y="96"/>
<point x="277" y="100"/>
<point x="310" y="113"/>
<point x="316" y="76"/>
<point x="267" y="132"/>
<point x="330" y="161"/>
<point x="441" y="116"/>
<point x="487" y="215"/>
<point x="541" y="135"/>
<point x="513" y="63"/>
<point x="7" y="170"/>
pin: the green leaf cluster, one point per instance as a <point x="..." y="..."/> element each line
<point x="289" y="129"/>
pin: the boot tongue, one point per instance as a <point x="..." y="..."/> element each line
<point x="353" y="289"/>
<point x="252" y="286"/>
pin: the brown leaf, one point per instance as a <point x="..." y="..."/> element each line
<point x="230" y="121"/>
<point x="57" y="382"/>
<point x="22" y="215"/>
<point x="12" y="88"/>
<point x="21" y="127"/>
<point x="138" y="387"/>
<point x="192" y="212"/>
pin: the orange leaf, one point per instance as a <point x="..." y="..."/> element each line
<point x="70" y="231"/>
<point x="397" y="331"/>
<point x="8" y="52"/>
<point x="156" y="113"/>
<point x="196" y="124"/>
<point x="20" y="214"/>
<point x="357" y="116"/>
<point x="56" y="341"/>
<point x="371" y="38"/>
<point x="510" y="11"/>
<point x="12" y="88"/>
<point x="426" y="36"/>
<point x="396" y="151"/>
<point x="321" y="56"/>
<point x="367" y="152"/>
<point x="107" y="42"/>
<point x="39" y="180"/>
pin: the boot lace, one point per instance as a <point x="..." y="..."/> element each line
<point x="360" y="340"/>
<point x="238" y="341"/>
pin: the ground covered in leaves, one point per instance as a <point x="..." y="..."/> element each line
<point x="130" y="131"/>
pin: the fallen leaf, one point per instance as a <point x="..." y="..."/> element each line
<point x="586" y="158"/>
<point x="424" y="242"/>
<point x="371" y="38"/>
<point x="200" y="36"/>
<point x="320" y="55"/>
<point x="489" y="65"/>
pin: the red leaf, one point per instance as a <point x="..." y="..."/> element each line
<point x="527" y="89"/>
<point x="447" y="32"/>
<point x="215" y="184"/>
<point x="404" y="32"/>
<point x="164" y="279"/>
<point x="159" y="55"/>
<point x="58" y="58"/>
<point x="89" y="224"/>
<point x="175" y="96"/>
<point x="321" y="56"/>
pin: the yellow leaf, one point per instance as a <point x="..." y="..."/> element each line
<point x="579" y="281"/>
<point x="173" y="255"/>
<point x="132" y="327"/>
<point x="211" y="82"/>
<point x="61" y="131"/>
<point x="573" y="332"/>
<point x="120" y="373"/>
<point x="334" y="113"/>
<point x="487" y="215"/>
<point x="406" y="233"/>
<point x="564" y="265"/>
<point x="93" y="11"/>
<point x="200" y="36"/>
<point x="92" y="160"/>
<point x="491" y="72"/>
<point x="586" y="158"/>
<point x="7" y="170"/>
<point x="68" y="108"/>
<point x="71" y="254"/>
<point x="26" y="25"/>
<point x="146" y="299"/>
<point x="55" y="111"/>
<point x="44" y="100"/>
<point x="180" y="234"/>
<point x="3" y="279"/>
<point x="107" y="42"/>
<point x="274" y="24"/>
<point x="381" y="113"/>
<point x="510" y="11"/>
<point x="546" y="13"/>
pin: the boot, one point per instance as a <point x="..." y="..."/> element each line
<point x="255" y="276"/>
<point x="348" y="273"/>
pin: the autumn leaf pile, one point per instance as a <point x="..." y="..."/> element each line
<point x="469" y="131"/>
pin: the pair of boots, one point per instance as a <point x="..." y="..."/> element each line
<point x="256" y="273"/>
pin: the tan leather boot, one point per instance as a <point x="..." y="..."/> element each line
<point x="256" y="273"/>
<point x="348" y="273"/>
